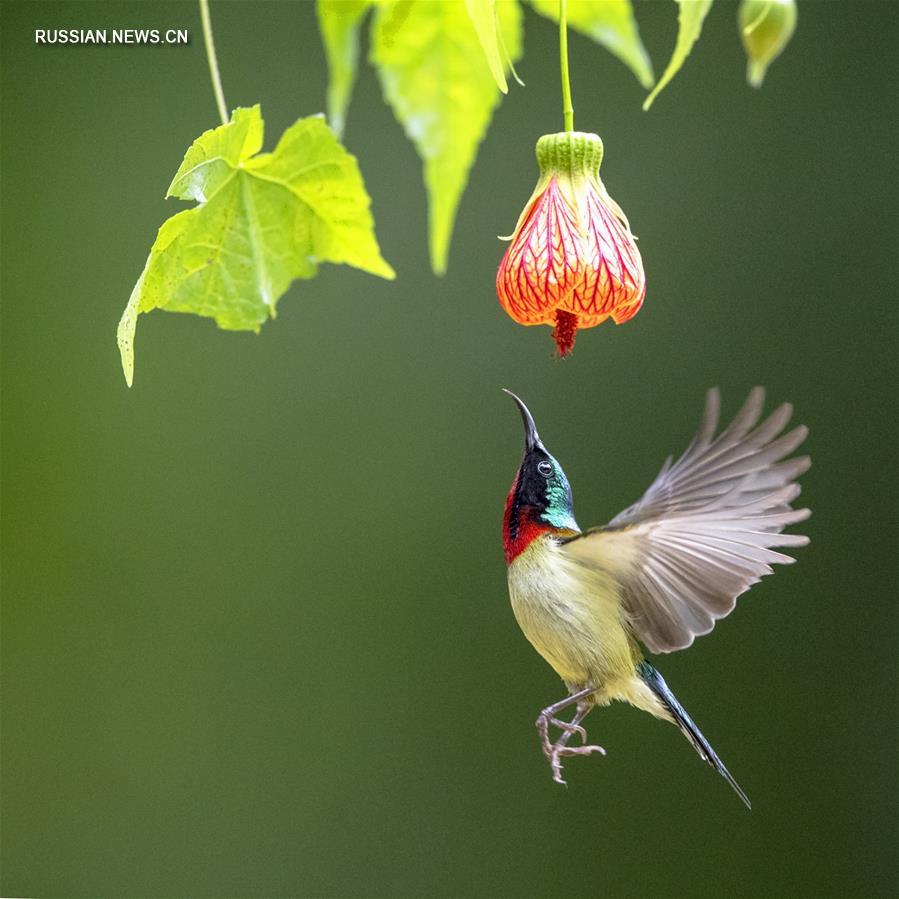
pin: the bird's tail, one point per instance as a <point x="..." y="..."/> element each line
<point x="657" y="684"/>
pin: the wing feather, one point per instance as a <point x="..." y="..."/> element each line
<point x="707" y="528"/>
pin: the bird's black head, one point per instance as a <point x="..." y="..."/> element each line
<point x="541" y="494"/>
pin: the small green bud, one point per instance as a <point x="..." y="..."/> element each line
<point x="766" y="27"/>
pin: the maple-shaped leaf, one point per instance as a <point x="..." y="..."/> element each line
<point x="262" y="221"/>
<point x="435" y="76"/>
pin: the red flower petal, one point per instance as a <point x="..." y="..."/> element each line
<point x="542" y="264"/>
<point x="614" y="283"/>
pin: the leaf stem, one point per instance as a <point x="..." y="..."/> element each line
<point x="567" y="108"/>
<point x="213" y="62"/>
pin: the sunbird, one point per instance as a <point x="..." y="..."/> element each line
<point x="662" y="572"/>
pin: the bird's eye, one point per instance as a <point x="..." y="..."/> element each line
<point x="545" y="468"/>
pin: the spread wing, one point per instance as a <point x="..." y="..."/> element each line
<point x="704" y="531"/>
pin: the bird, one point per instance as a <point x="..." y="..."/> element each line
<point x="660" y="573"/>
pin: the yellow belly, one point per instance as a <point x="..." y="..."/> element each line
<point x="573" y="616"/>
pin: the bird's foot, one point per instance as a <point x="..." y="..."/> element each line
<point x="560" y="750"/>
<point x="569" y="729"/>
<point x="555" y="752"/>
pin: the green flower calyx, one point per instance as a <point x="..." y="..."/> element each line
<point x="570" y="153"/>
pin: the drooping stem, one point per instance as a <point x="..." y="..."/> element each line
<point x="567" y="108"/>
<point x="213" y="62"/>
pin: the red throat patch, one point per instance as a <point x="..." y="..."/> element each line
<point x="520" y="526"/>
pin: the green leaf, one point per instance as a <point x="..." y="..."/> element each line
<point x="435" y="77"/>
<point x="610" y="23"/>
<point x="483" y="16"/>
<point x="261" y="222"/>
<point x="339" y="21"/>
<point x="690" y="16"/>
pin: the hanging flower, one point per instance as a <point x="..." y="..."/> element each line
<point x="572" y="261"/>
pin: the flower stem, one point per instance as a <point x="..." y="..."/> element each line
<point x="213" y="62"/>
<point x="567" y="108"/>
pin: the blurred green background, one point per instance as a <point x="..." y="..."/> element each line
<point x="256" y="634"/>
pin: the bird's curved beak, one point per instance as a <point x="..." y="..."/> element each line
<point x="531" y="437"/>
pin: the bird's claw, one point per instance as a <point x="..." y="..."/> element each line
<point x="560" y="751"/>
<point x="569" y="729"/>
<point x="556" y="751"/>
